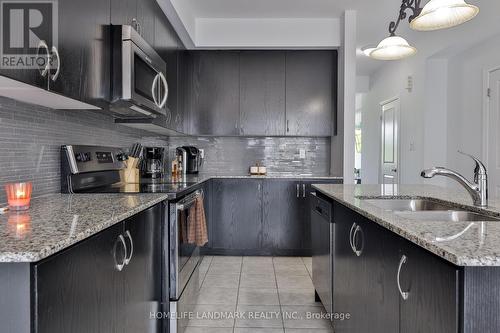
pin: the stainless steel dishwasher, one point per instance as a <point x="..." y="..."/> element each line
<point x="322" y="250"/>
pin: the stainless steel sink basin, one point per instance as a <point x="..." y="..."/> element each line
<point x="410" y="205"/>
<point x="449" y="215"/>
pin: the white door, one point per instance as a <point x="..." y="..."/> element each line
<point x="390" y="142"/>
<point x="493" y="144"/>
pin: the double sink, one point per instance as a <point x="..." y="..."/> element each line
<point x="428" y="210"/>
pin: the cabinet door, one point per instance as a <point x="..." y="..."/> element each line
<point x="378" y="299"/>
<point x="431" y="283"/>
<point x="146" y="12"/>
<point x="80" y="290"/>
<point x="283" y="216"/>
<point x="142" y="275"/>
<point x="123" y="11"/>
<point x="347" y="268"/>
<point x="309" y="92"/>
<point x="237" y="214"/>
<point x="214" y="93"/>
<point x="262" y="92"/>
<point x="84" y="53"/>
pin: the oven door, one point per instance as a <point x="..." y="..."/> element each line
<point x="144" y="83"/>
<point x="184" y="257"/>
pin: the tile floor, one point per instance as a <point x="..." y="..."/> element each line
<point x="272" y="294"/>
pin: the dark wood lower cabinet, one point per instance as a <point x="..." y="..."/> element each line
<point x="368" y="265"/>
<point x="432" y="286"/>
<point x="81" y="290"/>
<point x="261" y="216"/>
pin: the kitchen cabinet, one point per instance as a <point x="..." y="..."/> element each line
<point x="283" y="216"/>
<point x="83" y="53"/>
<point x="147" y="10"/>
<point x="260" y="216"/>
<point x="213" y="91"/>
<point x="237" y="214"/>
<point x="367" y="267"/>
<point x="262" y="93"/>
<point x="81" y="289"/>
<point x="432" y="286"/>
<point x="310" y="89"/>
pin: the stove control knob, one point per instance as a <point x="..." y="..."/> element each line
<point x="121" y="157"/>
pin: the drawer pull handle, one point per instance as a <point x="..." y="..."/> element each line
<point x="129" y="257"/>
<point x="353" y="227"/>
<point x="357" y="251"/>
<point x="120" y="239"/>
<point x="404" y="294"/>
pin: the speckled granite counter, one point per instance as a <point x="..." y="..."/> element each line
<point x="55" y="222"/>
<point x="461" y="243"/>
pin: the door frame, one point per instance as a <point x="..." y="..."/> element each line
<point x="486" y="112"/>
<point x="398" y="148"/>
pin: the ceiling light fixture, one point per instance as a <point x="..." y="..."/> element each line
<point x="437" y="14"/>
<point x="367" y="50"/>
<point x="442" y="14"/>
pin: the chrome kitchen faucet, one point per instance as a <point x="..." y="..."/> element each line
<point x="478" y="189"/>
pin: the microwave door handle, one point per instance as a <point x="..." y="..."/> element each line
<point x="154" y="88"/>
<point x="165" y="85"/>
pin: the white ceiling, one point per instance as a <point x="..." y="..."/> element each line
<point x="373" y="17"/>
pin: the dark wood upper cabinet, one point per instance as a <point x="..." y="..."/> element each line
<point x="84" y="54"/>
<point x="146" y="13"/>
<point x="213" y="101"/>
<point x="123" y="11"/>
<point x="262" y="93"/>
<point x="310" y="92"/>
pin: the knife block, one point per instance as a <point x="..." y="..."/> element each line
<point x="131" y="173"/>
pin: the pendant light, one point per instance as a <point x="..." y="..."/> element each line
<point x="436" y="14"/>
<point x="442" y="14"/>
<point x="393" y="48"/>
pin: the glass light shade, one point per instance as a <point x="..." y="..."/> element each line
<point x="393" y="48"/>
<point x="367" y="50"/>
<point x="442" y="14"/>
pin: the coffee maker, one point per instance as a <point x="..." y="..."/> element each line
<point x="153" y="162"/>
<point x="192" y="159"/>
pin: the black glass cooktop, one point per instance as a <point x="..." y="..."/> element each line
<point x="145" y="186"/>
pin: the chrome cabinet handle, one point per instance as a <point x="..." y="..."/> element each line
<point x="404" y="294"/>
<point x="120" y="239"/>
<point x="298" y="190"/>
<point x="153" y="89"/>
<point x="127" y="259"/>
<point x="43" y="45"/>
<point x="163" y="80"/>
<point x="137" y="26"/>
<point x="58" y="58"/>
<point x="353" y="227"/>
<point x="357" y="251"/>
<point x="303" y="190"/>
<point x="287" y="126"/>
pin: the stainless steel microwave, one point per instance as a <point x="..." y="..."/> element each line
<point x="139" y="81"/>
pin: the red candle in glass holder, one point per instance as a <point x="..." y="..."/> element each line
<point x="19" y="195"/>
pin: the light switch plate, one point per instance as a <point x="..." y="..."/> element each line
<point x="302" y="153"/>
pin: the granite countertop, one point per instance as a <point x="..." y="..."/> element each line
<point x="55" y="222"/>
<point x="461" y="243"/>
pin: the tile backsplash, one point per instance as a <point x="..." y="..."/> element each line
<point x="31" y="136"/>
<point x="234" y="155"/>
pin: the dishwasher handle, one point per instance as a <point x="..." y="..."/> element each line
<point x="321" y="207"/>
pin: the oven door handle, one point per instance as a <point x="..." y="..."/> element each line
<point x="188" y="201"/>
<point x="154" y="89"/>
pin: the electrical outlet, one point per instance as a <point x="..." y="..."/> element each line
<point x="412" y="146"/>
<point x="302" y="153"/>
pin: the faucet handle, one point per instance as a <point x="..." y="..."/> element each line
<point x="480" y="169"/>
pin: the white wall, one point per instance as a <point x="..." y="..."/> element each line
<point x="443" y="113"/>
<point x="267" y="33"/>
